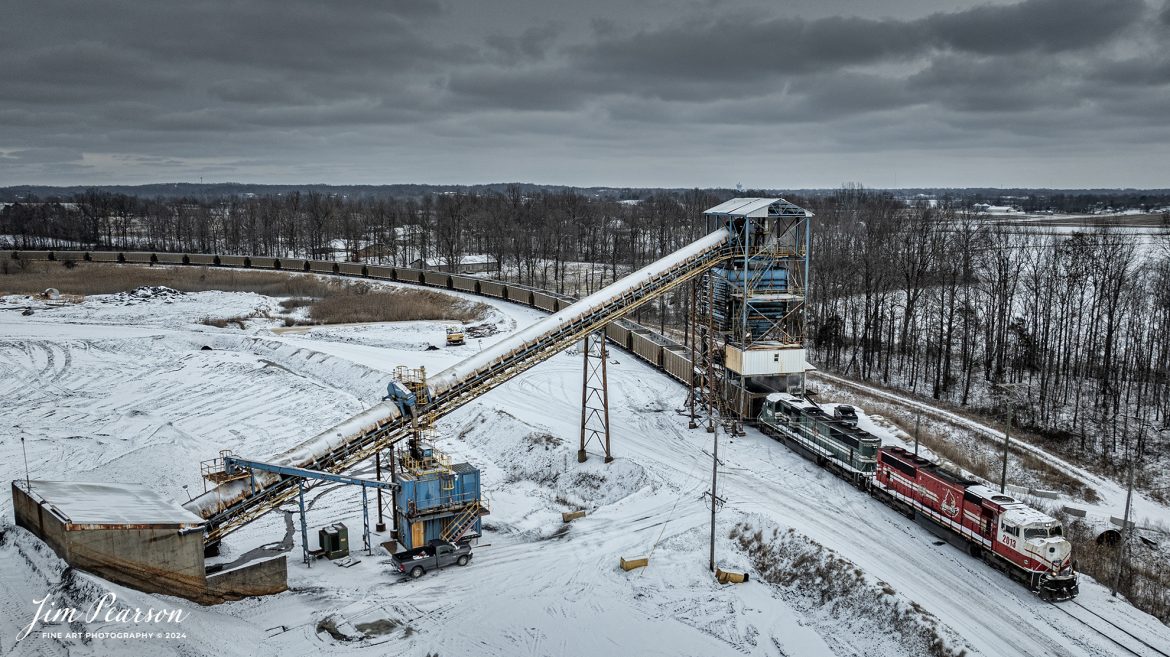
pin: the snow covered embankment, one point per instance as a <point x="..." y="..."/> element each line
<point x="842" y="599"/>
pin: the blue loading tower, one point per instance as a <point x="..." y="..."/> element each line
<point x="749" y="318"/>
<point x="438" y="499"/>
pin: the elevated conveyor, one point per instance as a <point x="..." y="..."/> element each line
<point x="234" y="503"/>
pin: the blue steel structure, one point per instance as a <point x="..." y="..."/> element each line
<point x="236" y="466"/>
<point x="436" y="499"/>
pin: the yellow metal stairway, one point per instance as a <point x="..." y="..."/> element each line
<point x="461" y="523"/>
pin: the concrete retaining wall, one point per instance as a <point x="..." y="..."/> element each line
<point x="258" y="578"/>
<point x="151" y="558"/>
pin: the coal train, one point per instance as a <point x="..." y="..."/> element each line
<point x="1007" y="534"/>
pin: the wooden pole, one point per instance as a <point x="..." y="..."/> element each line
<point x="714" y="481"/>
<point x="1125" y="529"/>
<point x="917" y="423"/>
<point x="1006" y="440"/>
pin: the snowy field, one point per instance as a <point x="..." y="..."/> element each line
<point x="121" y="389"/>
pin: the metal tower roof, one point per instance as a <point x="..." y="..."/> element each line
<point x="758" y="207"/>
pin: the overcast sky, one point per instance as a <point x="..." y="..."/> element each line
<point x="887" y="93"/>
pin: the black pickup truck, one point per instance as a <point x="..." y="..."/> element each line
<point x="432" y="556"/>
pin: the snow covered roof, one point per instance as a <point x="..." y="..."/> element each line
<point x="106" y="504"/>
<point x="799" y="402"/>
<point x="758" y="207"/>
<point x="993" y="495"/>
<point x="1025" y="515"/>
<point x="1015" y="512"/>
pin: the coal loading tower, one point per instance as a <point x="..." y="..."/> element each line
<point x="750" y="311"/>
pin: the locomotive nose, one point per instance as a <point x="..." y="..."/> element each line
<point x="1052" y="550"/>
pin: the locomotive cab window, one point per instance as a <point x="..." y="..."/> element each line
<point x="1035" y="532"/>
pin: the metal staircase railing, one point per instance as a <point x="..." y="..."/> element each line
<point x="363" y="446"/>
<point x="461" y="523"/>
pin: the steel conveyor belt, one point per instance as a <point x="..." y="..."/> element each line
<point x="232" y="504"/>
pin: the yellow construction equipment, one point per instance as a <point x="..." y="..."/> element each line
<point x="454" y="336"/>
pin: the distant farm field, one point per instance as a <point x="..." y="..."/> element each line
<point x="330" y="301"/>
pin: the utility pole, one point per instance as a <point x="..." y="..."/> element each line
<point x="1006" y="441"/>
<point x="917" y="422"/>
<point x="714" y="480"/>
<point x="1126" y="530"/>
<point x="27" y="477"/>
<point x="1010" y="395"/>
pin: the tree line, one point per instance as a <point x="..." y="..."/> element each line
<point x="560" y="240"/>
<point x="1073" y="329"/>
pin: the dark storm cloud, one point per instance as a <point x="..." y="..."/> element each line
<point x="735" y="49"/>
<point x="1142" y="72"/>
<point x="460" y="91"/>
<point x="1046" y="25"/>
<point x="80" y="70"/>
<point x="532" y="44"/>
<point x="532" y="88"/>
<point x="995" y="84"/>
<point x="109" y="46"/>
<point x="719" y="59"/>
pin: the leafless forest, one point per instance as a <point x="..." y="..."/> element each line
<point x="1071" y="329"/>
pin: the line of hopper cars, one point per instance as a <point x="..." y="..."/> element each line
<point x="1009" y="535"/>
<point x="663" y="353"/>
<point x="997" y="528"/>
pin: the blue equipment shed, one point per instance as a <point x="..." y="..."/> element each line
<point x="438" y="501"/>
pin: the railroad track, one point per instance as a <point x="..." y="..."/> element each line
<point x="1131" y="643"/>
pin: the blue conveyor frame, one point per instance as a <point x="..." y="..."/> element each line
<point x="235" y="464"/>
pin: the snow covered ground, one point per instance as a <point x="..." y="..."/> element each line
<point x="123" y="390"/>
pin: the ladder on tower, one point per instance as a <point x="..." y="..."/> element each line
<point x="461" y="523"/>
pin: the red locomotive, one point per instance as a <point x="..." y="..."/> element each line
<point x="1004" y="532"/>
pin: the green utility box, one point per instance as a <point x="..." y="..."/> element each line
<point x="335" y="541"/>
